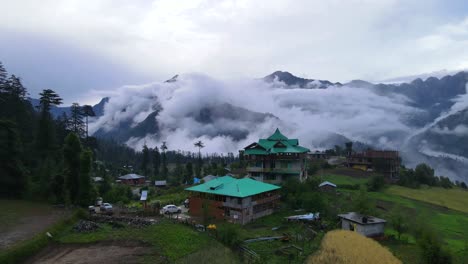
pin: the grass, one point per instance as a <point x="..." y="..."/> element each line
<point x="268" y="250"/>
<point x="174" y="241"/>
<point x="455" y="198"/>
<point x="341" y="246"/>
<point x="441" y="209"/>
<point x="343" y="180"/>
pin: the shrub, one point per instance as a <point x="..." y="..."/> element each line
<point x="229" y="234"/>
<point x="376" y="183"/>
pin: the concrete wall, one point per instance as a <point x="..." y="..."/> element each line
<point x="368" y="230"/>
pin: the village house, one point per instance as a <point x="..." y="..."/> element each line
<point x="235" y="200"/>
<point x="132" y="179"/>
<point x="385" y="161"/>
<point x="327" y="186"/>
<point x="276" y="159"/>
<point x="368" y="226"/>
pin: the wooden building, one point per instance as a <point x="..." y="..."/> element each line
<point x="276" y="159"/>
<point x="386" y="162"/>
<point x="365" y="225"/>
<point x="132" y="179"/>
<point x="235" y="200"/>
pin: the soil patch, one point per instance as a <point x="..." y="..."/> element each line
<point x="26" y="227"/>
<point x="99" y="253"/>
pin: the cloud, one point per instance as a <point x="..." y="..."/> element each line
<point x="309" y="114"/>
<point x="459" y="130"/>
<point x="335" y="40"/>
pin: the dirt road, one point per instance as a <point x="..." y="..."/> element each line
<point x="100" y="253"/>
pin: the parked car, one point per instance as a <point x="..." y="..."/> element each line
<point x="91" y="209"/>
<point x="106" y="207"/>
<point x="171" y="209"/>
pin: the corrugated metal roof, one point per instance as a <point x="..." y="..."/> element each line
<point x="131" y="176"/>
<point x="361" y="219"/>
<point x="327" y="183"/>
<point x="230" y="186"/>
<point x="144" y="195"/>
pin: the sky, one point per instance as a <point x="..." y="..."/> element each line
<point x="80" y="48"/>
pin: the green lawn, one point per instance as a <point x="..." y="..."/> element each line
<point x="455" y="198"/>
<point x="445" y="210"/>
<point x="343" y="180"/>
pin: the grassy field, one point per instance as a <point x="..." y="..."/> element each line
<point x="268" y="250"/>
<point x="174" y="241"/>
<point x="455" y="198"/>
<point x="343" y="180"/>
<point x="441" y="209"/>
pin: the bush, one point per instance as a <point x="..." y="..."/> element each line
<point x="376" y="183"/>
<point x="229" y="234"/>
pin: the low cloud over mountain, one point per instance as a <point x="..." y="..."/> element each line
<point x="228" y="115"/>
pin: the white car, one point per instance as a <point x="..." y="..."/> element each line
<point x="171" y="209"/>
<point x="107" y="207"/>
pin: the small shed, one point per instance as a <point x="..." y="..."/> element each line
<point x="368" y="226"/>
<point x="132" y="179"/>
<point x="144" y="198"/>
<point x="160" y="184"/>
<point x="327" y="186"/>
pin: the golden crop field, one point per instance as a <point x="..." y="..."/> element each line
<point x="454" y="198"/>
<point x="342" y="246"/>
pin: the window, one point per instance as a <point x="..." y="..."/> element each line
<point x="270" y="177"/>
<point x="258" y="164"/>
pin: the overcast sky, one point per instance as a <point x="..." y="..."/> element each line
<point x="80" y="47"/>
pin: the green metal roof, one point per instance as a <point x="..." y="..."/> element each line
<point x="229" y="186"/>
<point x="276" y="143"/>
<point x="277" y="136"/>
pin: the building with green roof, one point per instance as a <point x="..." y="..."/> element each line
<point x="235" y="200"/>
<point x="276" y="159"/>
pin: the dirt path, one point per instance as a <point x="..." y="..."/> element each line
<point x="23" y="227"/>
<point x="100" y="253"/>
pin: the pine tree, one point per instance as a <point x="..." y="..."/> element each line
<point x="188" y="173"/>
<point x="15" y="88"/>
<point x="77" y="124"/>
<point x="12" y="173"/>
<point x="156" y="161"/>
<point x="3" y="76"/>
<point x="164" y="161"/>
<point x="87" y="112"/>
<point x="71" y="157"/>
<point x="45" y="140"/>
<point x="145" y="161"/>
<point x="85" y="187"/>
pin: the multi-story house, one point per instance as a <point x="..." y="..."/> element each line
<point x="276" y="159"/>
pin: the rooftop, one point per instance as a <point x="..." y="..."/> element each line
<point x="274" y="144"/>
<point x="361" y="219"/>
<point x="229" y="186"/>
<point x="327" y="183"/>
<point x="131" y="176"/>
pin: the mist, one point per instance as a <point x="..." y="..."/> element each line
<point x="314" y="116"/>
